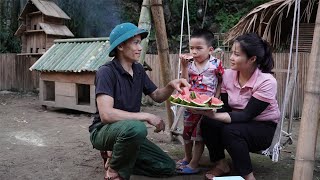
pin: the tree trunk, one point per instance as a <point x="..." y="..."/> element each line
<point x="305" y="155"/>
<point x="163" y="49"/>
<point x="145" y="23"/>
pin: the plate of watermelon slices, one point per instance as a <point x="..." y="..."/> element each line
<point x="194" y="100"/>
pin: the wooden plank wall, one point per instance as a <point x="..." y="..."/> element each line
<point x="280" y="72"/>
<point x="7" y="71"/>
<point x="15" y="74"/>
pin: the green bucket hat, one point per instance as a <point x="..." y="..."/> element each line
<point x="121" y="33"/>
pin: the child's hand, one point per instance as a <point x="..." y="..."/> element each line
<point x="185" y="59"/>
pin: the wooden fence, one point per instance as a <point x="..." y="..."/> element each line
<point x="15" y="74"/>
<point x="280" y="73"/>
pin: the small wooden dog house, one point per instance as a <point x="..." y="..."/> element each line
<point x="67" y="73"/>
<point x="42" y="21"/>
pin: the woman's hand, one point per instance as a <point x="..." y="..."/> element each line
<point x="208" y="113"/>
<point x="178" y="84"/>
<point x="223" y="117"/>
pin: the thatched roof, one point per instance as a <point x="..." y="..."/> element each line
<point x="272" y="20"/>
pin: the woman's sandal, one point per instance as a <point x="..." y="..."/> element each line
<point x="216" y="172"/>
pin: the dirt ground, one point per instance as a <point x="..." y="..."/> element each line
<point x="39" y="143"/>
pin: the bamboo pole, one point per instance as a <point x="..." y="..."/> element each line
<point x="163" y="49"/>
<point x="145" y="23"/>
<point x="305" y="155"/>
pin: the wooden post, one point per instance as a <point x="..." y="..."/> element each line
<point x="163" y="49"/>
<point x="307" y="141"/>
<point x="145" y="23"/>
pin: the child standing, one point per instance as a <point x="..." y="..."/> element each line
<point x="202" y="74"/>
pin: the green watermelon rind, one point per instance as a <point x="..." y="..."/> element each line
<point x="197" y="104"/>
<point x="193" y="95"/>
<point x="217" y="105"/>
<point x="172" y="98"/>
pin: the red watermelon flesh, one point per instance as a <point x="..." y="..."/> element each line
<point x="204" y="98"/>
<point x="185" y="91"/>
<point x="216" y="102"/>
<point x="197" y="102"/>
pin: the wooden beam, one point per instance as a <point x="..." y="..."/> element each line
<point x="34" y="13"/>
<point x="81" y="40"/>
<point x="34" y="31"/>
<point x="307" y="141"/>
<point x="163" y="49"/>
<point x="80" y="78"/>
<point x="30" y="54"/>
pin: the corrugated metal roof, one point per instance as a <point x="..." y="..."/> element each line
<point x="54" y="29"/>
<point x="74" y="55"/>
<point x="48" y="8"/>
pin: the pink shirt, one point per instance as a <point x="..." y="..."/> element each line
<point x="262" y="86"/>
<point x="204" y="81"/>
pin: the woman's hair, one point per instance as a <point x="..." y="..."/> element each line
<point x="252" y="45"/>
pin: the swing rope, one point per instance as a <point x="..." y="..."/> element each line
<point x="174" y="108"/>
<point x="275" y="147"/>
<point x="184" y="5"/>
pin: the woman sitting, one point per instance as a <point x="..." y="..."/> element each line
<point x="250" y="114"/>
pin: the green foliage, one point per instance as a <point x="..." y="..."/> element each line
<point x="9" y="43"/>
<point x="130" y="10"/>
<point x="74" y="9"/>
<point x="227" y="20"/>
<point x="228" y="13"/>
<point x="9" y="11"/>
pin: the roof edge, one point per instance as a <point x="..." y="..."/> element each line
<point x="81" y="40"/>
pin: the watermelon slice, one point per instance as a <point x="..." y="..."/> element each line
<point x="179" y="99"/>
<point x="186" y="100"/>
<point x="185" y="91"/>
<point x="194" y="95"/>
<point x="205" y="98"/>
<point x="197" y="103"/>
<point x="173" y="97"/>
<point x="216" y="102"/>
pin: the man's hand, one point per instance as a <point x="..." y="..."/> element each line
<point x="178" y="84"/>
<point x="156" y="121"/>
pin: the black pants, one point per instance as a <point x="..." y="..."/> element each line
<point x="238" y="139"/>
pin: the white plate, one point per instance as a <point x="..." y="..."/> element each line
<point x="198" y="108"/>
